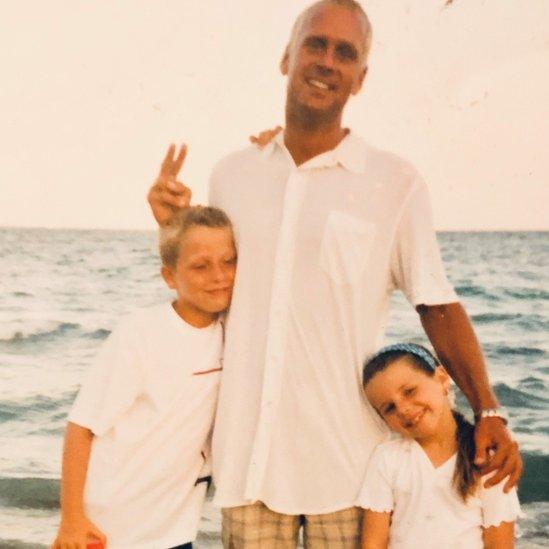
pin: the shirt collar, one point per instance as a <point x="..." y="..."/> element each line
<point x="349" y="153"/>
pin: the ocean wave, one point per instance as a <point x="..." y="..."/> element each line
<point x="51" y="332"/>
<point x="29" y="492"/>
<point x="515" y="398"/>
<point x="40" y="334"/>
<point x="527" y="293"/>
<point x="470" y="290"/>
<point x="37" y="406"/>
<point x="101" y="333"/>
<point x="495" y="317"/>
<point x="43" y="493"/>
<point x="520" y="351"/>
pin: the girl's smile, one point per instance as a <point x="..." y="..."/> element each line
<point x="411" y="402"/>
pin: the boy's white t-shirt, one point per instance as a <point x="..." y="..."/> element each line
<point x="150" y="401"/>
<point x="427" y="510"/>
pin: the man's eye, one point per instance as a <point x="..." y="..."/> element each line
<point x="347" y="52"/>
<point x="316" y="43"/>
<point x="199" y="267"/>
<point x="231" y="261"/>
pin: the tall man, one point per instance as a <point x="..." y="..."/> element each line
<point x="327" y="227"/>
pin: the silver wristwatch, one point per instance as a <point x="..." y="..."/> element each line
<point x="493" y="412"/>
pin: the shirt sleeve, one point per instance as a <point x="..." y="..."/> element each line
<point x="416" y="264"/>
<point x="497" y="506"/>
<point x="376" y="493"/>
<point x="111" y="384"/>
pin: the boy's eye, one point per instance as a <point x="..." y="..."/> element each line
<point x="409" y="391"/>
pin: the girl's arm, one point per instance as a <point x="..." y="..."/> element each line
<point x="375" y="530"/>
<point x="76" y="530"/>
<point x="499" y="537"/>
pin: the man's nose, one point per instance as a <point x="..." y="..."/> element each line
<point x="328" y="60"/>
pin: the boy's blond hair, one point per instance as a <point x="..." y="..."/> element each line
<point x="171" y="234"/>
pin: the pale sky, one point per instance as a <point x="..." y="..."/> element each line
<point x="93" y="92"/>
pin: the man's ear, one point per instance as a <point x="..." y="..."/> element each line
<point x="358" y="84"/>
<point x="167" y="275"/>
<point x="284" y="62"/>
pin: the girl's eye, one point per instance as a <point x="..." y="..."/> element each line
<point x="389" y="409"/>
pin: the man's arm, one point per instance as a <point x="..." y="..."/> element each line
<point x="452" y="336"/>
<point x="76" y="530"/>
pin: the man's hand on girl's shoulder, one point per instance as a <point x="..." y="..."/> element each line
<point x="497" y="451"/>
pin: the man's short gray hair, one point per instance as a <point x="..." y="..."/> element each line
<point x="171" y="234"/>
<point x="352" y="5"/>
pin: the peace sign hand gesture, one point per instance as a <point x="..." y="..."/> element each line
<point x="167" y="196"/>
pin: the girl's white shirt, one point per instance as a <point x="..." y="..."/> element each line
<point x="427" y="510"/>
<point x="150" y="401"/>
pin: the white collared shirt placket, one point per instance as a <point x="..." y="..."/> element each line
<point x="278" y="327"/>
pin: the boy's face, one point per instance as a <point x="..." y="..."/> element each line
<point x="204" y="274"/>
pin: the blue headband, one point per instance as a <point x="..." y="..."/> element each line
<point x="410" y="348"/>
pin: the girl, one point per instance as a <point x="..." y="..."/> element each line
<point x="421" y="490"/>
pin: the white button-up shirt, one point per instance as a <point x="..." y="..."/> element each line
<point x="321" y="246"/>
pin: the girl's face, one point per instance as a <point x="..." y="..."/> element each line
<point x="410" y="401"/>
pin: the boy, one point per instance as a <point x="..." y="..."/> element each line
<point x="135" y="442"/>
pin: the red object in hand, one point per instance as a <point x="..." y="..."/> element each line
<point x="94" y="545"/>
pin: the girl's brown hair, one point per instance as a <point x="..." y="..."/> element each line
<point x="465" y="478"/>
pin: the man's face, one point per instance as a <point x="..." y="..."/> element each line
<point x="325" y="63"/>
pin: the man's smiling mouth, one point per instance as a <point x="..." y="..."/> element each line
<point x="319" y="84"/>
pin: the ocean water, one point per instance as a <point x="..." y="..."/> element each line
<point x="62" y="292"/>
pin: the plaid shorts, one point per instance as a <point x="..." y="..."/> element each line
<point x="257" y="527"/>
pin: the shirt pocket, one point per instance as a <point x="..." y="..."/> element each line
<point x="345" y="247"/>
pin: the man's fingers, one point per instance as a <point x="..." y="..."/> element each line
<point x="503" y="471"/>
<point x="496" y="459"/>
<point x="481" y="452"/>
<point x="514" y="477"/>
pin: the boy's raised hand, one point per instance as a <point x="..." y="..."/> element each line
<point x="79" y="534"/>
<point x="167" y="196"/>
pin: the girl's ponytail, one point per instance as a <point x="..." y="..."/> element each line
<point x="465" y="476"/>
